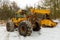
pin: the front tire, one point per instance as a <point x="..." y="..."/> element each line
<point x="24" y="29"/>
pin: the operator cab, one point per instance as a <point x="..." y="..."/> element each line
<point x="21" y="14"/>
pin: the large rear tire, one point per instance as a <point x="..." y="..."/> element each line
<point x="10" y="26"/>
<point x="37" y="27"/>
<point x="24" y="29"/>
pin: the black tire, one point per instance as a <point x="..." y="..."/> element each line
<point x="24" y="29"/>
<point x="10" y="26"/>
<point x="37" y="27"/>
<point x="49" y="26"/>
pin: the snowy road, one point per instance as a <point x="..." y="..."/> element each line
<point x="45" y="34"/>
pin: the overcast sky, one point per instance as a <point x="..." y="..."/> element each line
<point x="23" y="3"/>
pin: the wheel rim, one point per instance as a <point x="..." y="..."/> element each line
<point x="23" y="29"/>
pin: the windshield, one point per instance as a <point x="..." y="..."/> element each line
<point x="19" y="15"/>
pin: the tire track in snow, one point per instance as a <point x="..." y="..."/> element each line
<point x="7" y="36"/>
<point x="14" y="36"/>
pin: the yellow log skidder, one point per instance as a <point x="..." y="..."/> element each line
<point x="28" y="23"/>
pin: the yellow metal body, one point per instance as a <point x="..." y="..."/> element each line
<point x="42" y="11"/>
<point x="17" y="21"/>
<point x="47" y="22"/>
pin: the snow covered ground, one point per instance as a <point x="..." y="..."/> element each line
<point x="45" y="34"/>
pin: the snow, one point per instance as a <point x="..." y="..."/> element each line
<point x="57" y="20"/>
<point x="43" y="34"/>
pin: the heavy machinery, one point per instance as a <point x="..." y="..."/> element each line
<point x="26" y="23"/>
